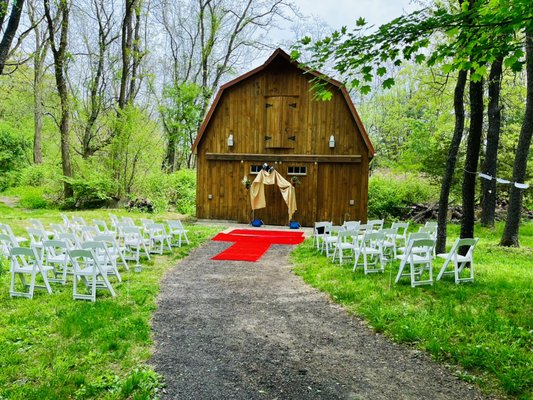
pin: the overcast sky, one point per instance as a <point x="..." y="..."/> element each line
<point x="344" y="12"/>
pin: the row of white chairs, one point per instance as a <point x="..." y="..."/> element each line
<point x="376" y="246"/>
<point x="88" y="252"/>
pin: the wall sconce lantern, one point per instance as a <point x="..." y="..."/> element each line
<point x="230" y="140"/>
<point x="331" y="142"/>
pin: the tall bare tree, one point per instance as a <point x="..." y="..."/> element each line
<point x="11" y="28"/>
<point x="58" y="37"/>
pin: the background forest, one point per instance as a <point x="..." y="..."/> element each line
<point x="101" y="100"/>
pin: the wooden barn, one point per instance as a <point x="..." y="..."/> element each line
<point x="269" y="115"/>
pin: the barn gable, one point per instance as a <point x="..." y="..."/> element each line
<point x="269" y="115"/>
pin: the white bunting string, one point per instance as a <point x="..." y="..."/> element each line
<point x="502" y="181"/>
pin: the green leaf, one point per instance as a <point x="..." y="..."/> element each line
<point x="388" y="83"/>
<point x="381" y="71"/>
<point x="295" y="54"/>
<point x="419" y="59"/>
<point x="366" y="89"/>
<point x="453" y="32"/>
<point x="306" y="40"/>
<point x="360" y="22"/>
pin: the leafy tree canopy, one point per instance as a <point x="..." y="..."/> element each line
<point x="465" y="38"/>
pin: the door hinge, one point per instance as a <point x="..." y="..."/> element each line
<point x="293" y="138"/>
<point x="293" y="105"/>
<point x="268" y="105"/>
<point x="268" y="137"/>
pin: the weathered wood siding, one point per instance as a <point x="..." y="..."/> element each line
<point x="273" y="113"/>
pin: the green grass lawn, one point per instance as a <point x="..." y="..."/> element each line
<point x="54" y="347"/>
<point x="486" y="327"/>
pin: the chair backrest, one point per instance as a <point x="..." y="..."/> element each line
<point x="402" y="228"/>
<point x="72" y="240"/>
<point x="94" y="245"/>
<point x="81" y="257"/>
<point x="53" y="248"/>
<point x="6" y="229"/>
<point x="66" y="221"/>
<point x="88" y="232"/>
<point x="131" y="233"/>
<point x="154" y="228"/>
<point x="79" y="221"/>
<point x="464" y="242"/>
<point x="432" y="231"/>
<point x="418" y="235"/>
<point x="128" y="221"/>
<point x="431" y="224"/>
<point x="36" y="223"/>
<point x="100" y="225"/>
<point x="24" y="256"/>
<point x="376" y="223"/>
<point x="36" y="235"/>
<point x="174" y="224"/>
<point x="319" y="227"/>
<point x="345" y="235"/>
<point x="5" y="244"/>
<point x="145" y="222"/>
<point x="374" y="239"/>
<point x="114" y="220"/>
<point x="390" y="233"/>
<point x="425" y="244"/>
<point x="57" y="228"/>
<point x="351" y="225"/>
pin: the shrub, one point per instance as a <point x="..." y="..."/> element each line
<point x="388" y="195"/>
<point x="30" y="197"/>
<point x="91" y="192"/>
<point x="177" y="189"/>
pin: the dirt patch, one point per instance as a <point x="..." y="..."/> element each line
<point x="9" y="201"/>
<point x="238" y="330"/>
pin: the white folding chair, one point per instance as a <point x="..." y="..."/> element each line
<point x="107" y="262"/>
<point x="375" y="224"/>
<point x="157" y="235"/>
<point x="330" y="238"/>
<point x="351" y="225"/>
<point x="57" y="229"/>
<point x="431" y="224"/>
<point x="318" y="233"/>
<point x="134" y="243"/>
<point x="25" y="261"/>
<point x="37" y="236"/>
<point x="66" y="222"/>
<point x="371" y="249"/>
<point x="114" y="221"/>
<point x="101" y="225"/>
<point x="88" y="233"/>
<point x="55" y="256"/>
<point x="458" y="261"/>
<point x="72" y="240"/>
<point x="401" y="234"/>
<point x="5" y="245"/>
<point x="176" y="229"/>
<point x="128" y="221"/>
<point x="36" y="223"/>
<point x="16" y="240"/>
<point x="418" y="262"/>
<point x="113" y="247"/>
<point x="389" y="244"/>
<point x="345" y="241"/>
<point x="414" y="236"/>
<point x="87" y="269"/>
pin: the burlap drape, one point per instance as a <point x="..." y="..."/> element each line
<point x="257" y="190"/>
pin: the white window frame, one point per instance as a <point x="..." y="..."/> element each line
<point x="300" y="170"/>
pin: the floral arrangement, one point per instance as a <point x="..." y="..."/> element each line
<point x="246" y="182"/>
<point x="295" y="181"/>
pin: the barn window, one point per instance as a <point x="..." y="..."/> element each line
<point x="297" y="170"/>
<point x="254" y="169"/>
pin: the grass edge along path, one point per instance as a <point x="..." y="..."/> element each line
<point x="55" y="347"/>
<point x="485" y="328"/>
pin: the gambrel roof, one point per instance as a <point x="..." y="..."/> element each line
<point x="279" y="53"/>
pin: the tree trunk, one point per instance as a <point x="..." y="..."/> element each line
<point x="9" y="33"/>
<point x="451" y="160"/>
<point x="126" y="48"/>
<point x="472" y="158"/>
<point x="512" y="225"/>
<point x="488" y="204"/>
<point x="59" y="53"/>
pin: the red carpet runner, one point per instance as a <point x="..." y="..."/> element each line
<point x="251" y="244"/>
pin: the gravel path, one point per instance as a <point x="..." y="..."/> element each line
<point x="238" y="330"/>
